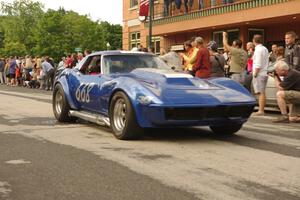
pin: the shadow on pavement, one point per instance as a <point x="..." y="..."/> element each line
<point x="29" y="121"/>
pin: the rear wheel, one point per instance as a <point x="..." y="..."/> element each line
<point x="60" y="105"/>
<point x="123" y="119"/>
<point x="226" y="129"/>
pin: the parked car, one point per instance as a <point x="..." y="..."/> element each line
<point x="132" y="91"/>
<point x="271" y="90"/>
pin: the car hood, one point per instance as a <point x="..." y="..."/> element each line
<point x="180" y="88"/>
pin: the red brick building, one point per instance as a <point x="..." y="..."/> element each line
<point x="241" y="18"/>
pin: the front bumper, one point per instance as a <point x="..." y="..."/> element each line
<point x="209" y="115"/>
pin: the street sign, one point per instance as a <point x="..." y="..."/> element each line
<point x="78" y="49"/>
<point x="179" y="47"/>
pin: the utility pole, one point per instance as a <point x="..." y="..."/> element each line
<point x="150" y="23"/>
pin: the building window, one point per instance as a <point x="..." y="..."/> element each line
<point x="156" y="44"/>
<point x="135" y="39"/>
<point x="255" y="31"/>
<point x="233" y="34"/>
<point x="133" y="3"/>
<point x="218" y="38"/>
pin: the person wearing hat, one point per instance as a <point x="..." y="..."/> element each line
<point x="217" y="60"/>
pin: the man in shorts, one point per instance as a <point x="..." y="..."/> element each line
<point x="260" y="77"/>
<point x="288" y="92"/>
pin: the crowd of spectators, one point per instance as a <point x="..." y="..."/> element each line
<point x="250" y="67"/>
<point x="37" y="72"/>
<point x="26" y="71"/>
<point x="190" y="5"/>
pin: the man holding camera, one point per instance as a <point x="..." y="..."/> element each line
<point x="288" y="92"/>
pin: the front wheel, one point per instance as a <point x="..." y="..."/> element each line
<point x="122" y="118"/>
<point x="226" y="129"/>
<point x="60" y="105"/>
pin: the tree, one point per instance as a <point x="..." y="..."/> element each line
<point x="112" y="35"/>
<point x="14" y="48"/>
<point x="1" y="38"/>
<point x="54" y="32"/>
<point x="49" y="34"/>
<point x="21" y="19"/>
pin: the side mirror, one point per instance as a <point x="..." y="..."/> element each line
<point x="78" y="73"/>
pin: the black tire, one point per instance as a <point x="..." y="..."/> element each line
<point x="60" y="105"/>
<point x="229" y="129"/>
<point x="123" y="119"/>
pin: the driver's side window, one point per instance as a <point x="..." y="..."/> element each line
<point x="92" y="66"/>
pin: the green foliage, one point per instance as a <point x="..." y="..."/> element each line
<point x="14" y="48"/>
<point x="21" y="18"/>
<point x="26" y="29"/>
<point x="1" y="39"/>
<point x="113" y="35"/>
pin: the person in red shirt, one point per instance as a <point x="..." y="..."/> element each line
<point x="248" y="76"/>
<point x="18" y="75"/>
<point x="202" y="66"/>
<point x="69" y="61"/>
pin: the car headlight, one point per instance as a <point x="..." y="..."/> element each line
<point x="145" y="100"/>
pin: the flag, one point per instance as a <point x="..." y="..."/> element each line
<point x="144" y="8"/>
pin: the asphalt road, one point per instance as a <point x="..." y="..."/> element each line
<point x="43" y="159"/>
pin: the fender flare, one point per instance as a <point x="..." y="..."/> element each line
<point x="63" y="82"/>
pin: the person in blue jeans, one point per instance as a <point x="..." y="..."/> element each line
<point x="201" y="4"/>
<point x="213" y="3"/>
<point x="188" y="4"/>
<point x="227" y="1"/>
<point x="12" y="70"/>
<point x="178" y="4"/>
<point x="48" y="72"/>
<point x="166" y="7"/>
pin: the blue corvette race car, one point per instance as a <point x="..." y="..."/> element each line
<point x="131" y="91"/>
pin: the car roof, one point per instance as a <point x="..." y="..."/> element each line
<point x="112" y="52"/>
<point x="118" y="52"/>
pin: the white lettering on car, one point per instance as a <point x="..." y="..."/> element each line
<point x="83" y="92"/>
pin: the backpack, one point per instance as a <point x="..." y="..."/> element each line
<point x="292" y="57"/>
<point x="296" y="57"/>
<point x="220" y="65"/>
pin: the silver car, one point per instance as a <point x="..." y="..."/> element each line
<point x="271" y="91"/>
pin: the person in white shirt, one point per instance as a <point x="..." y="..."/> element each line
<point x="260" y="77"/>
<point x="48" y="71"/>
<point x="61" y="64"/>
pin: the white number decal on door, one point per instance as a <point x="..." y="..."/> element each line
<point x="83" y="92"/>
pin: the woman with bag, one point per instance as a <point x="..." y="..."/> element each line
<point x="217" y="60"/>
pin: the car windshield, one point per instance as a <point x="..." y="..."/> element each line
<point x="127" y="63"/>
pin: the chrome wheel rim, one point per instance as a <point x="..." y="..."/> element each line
<point x="58" y="102"/>
<point x="120" y="114"/>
